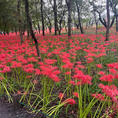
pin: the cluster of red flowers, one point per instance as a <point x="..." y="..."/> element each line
<point x="57" y="57"/>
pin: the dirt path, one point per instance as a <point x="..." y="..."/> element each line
<point x="7" y="111"/>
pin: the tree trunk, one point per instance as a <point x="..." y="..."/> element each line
<point x="30" y="27"/>
<point x="39" y="28"/>
<point x="107" y="34"/>
<point x="96" y="30"/>
<point x="68" y="2"/>
<point x="19" y="21"/>
<point x="96" y="23"/>
<point x="79" y="18"/>
<point x="42" y="18"/>
<point x="55" y="17"/>
<point x="50" y="25"/>
<point x="5" y="25"/>
<point x="108" y="20"/>
<point x="117" y="23"/>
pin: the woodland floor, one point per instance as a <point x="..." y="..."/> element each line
<point x="7" y="111"/>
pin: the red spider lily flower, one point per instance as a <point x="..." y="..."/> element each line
<point x="25" y="93"/>
<point x="18" y="92"/>
<point x="101" y="73"/>
<point x="29" y="66"/>
<point x="67" y="73"/>
<point x="28" y="76"/>
<point x="116" y="76"/>
<point x="61" y="95"/>
<point x="22" y="59"/>
<point x="79" y="62"/>
<point x="29" y="70"/>
<point x="89" y="60"/>
<point x="1" y="78"/>
<point x="70" y="101"/>
<point x="6" y="69"/>
<point x="79" y="83"/>
<point x="50" y="61"/>
<point x="72" y="82"/>
<point x="110" y="91"/>
<point x="76" y="94"/>
<point x="35" y="81"/>
<point x="54" y="77"/>
<point x="31" y="59"/>
<point x="99" y="65"/>
<point x="113" y="65"/>
<point x="113" y="71"/>
<point x="81" y="66"/>
<point x="107" y="78"/>
<point x="16" y="64"/>
<point x="50" y="71"/>
<point x="68" y="65"/>
<point x="98" y="96"/>
<point x="37" y="72"/>
<point x="83" y="79"/>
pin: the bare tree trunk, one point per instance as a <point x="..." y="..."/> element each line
<point x="55" y="17"/>
<point x="96" y="23"/>
<point x="39" y="28"/>
<point x="108" y="20"/>
<point x="117" y="23"/>
<point x="50" y="24"/>
<point x="19" y="20"/>
<point x="30" y="27"/>
<point x="42" y="18"/>
<point x="79" y="18"/>
<point x="5" y="25"/>
<point x="68" y="2"/>
<point x="60" y="22"/>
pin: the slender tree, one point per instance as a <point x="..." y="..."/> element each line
<point x="79" y="16"/>
<point x="68" y="3"/>
<point x="29" y="20"/>
<point x="19" y="20"/>
<point x="42" y="17"/>
<point x="55" y="16"/>
<point x="94" y="14"/>
<point x="106" y="22"/>
<point x="114" y="4"/>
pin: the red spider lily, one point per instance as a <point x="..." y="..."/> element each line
<point x="101" y="73"/>
<point x="113" y="71"/>
<point x="19" y="92"/>
<point x="89" y="60"/>
<point x="61" y="95"/>
<point x="110" y="91"/>
<point x="50" y="61"/>
<point x="50" y="71"/>
<point x="113" y="65"/>
<point x="83" y="79"/>
<point x="37" y="71"/>
<point x="98" y="96"/>
<point x="31" y="59"/>
<point x="70" y="101"/>
<point x="16" y="64"/>
<point x="6" y="69"/>
<point x="28" y="76"/>
<point x="35" y="81"/>
<point x="76" y="94"/>
<point x="72" y="82"/>
<point x="116" y="76"/>
<point x="68" y="73"/>
<point x="99" y="65"/>
<point x="1" y="78"/>
<point x="107" y="78"/>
